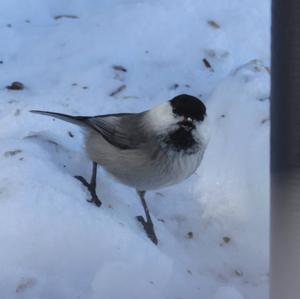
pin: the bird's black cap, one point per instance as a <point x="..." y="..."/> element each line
<point x="188" y="106"/>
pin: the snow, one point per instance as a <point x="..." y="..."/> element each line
<point x="227" y="293"/>
<point x="212" y="228"/>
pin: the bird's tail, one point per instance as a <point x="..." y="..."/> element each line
<point x="77" y="120"/>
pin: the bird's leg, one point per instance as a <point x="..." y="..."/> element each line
<point x="91" y="186"/>
<point x="148" y="225"/>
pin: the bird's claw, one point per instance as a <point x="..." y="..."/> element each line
<point x="91" y="189"/>
<point x="149" y="229"/>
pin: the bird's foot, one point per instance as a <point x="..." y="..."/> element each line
<point x="92" y="190"/>
<point x="149" y="229"/>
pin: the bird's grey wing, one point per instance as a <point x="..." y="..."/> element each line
<point x="124" y="131"/>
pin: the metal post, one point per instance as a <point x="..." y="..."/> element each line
<point x="285" y="150"/>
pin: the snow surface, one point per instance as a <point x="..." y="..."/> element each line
<point x="212" y="228"/>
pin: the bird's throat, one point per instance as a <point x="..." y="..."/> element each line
<point x="182" y="140"/>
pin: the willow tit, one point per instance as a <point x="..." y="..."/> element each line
<point x="147" y="150"/>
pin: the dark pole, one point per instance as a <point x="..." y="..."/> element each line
<point x="285" y="150"/>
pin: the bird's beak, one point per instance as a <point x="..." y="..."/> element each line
<point x="187" y="124"/>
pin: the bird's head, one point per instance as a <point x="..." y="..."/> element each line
<point x="182" y="119"/>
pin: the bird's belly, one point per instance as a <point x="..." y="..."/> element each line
<point x="141" y="169"/>
<point x="158" y="174"/>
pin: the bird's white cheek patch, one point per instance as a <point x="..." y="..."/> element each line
<point x="162" y="117"/>
<point x="204" y="130"/>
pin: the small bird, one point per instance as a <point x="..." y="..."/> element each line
<point x="147" y="150"/>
